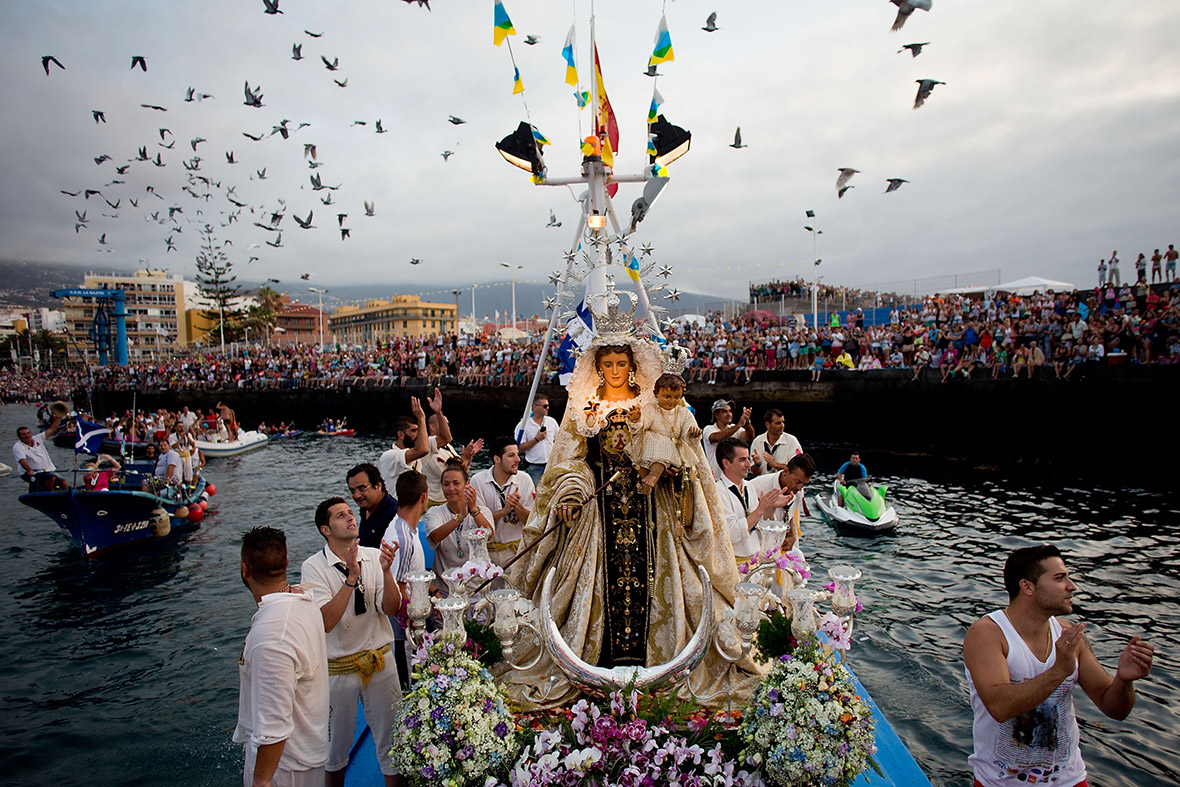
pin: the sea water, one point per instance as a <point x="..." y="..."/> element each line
<point x="123" y="670"/>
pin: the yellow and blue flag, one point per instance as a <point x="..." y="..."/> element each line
<point x="539" y="137"/>
<point x="567" y="52"/>
<point x="654" y="111"/>
<point x="663" y="49"/>
<point x="502" y="24"/>
<point x="583" y="98"/>
<point x="517" y="85"/>
<point x="633" y="268"/>
<point x="651" y="145"/>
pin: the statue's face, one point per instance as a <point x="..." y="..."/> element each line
<point x="614" y="367"/>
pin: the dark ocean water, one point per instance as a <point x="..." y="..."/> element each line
<point x="123" y="670"/>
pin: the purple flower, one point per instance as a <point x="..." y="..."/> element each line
<point x="411" y="721"/>
<point x="488" y="705"/>
<point x="501" y="730"/>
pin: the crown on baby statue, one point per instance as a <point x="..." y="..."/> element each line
<point x="674" y="358"/>
<point x="612" y="321"/>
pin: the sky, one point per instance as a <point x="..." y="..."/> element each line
<point x="1055" y="139"/>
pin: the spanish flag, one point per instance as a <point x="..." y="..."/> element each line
<point x="606" y="126"/>
<point x="567" y="52"/>
<point x="663" y="49"/>
<point x="502" y="25"/>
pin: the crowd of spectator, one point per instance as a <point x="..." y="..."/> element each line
<point x="798" y="288"/>
<point x="952" y="335"/>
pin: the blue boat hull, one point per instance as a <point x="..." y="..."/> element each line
<point x="98" y="521"/>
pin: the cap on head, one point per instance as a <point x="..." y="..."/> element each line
<point x="721" y="404"/>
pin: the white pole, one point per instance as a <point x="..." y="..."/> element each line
<point x="514" y="306"/>
<point x="473" y="286"/>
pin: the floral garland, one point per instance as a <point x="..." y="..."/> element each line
<point x="806" y="726"/>
<point x="454" y="727"/>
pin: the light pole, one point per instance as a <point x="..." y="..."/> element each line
<point x="815" y="286"/>
<point x="320" y="294"/>
<point x="514" y="269"/>
<point x="247" y="329"/>
<point x="456" y="293"/>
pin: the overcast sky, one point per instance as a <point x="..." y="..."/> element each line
<point x="1055" y="139"/>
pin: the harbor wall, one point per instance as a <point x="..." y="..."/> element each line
<point x="1121" y="412"/>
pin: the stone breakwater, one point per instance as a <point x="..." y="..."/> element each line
<point x="1124" y="413"/>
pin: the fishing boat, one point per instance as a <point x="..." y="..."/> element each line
<point x="247" y="441"/>
<point x="834" y="511"/>
<point x="133" y="448"/>
<point x="4" y="469"/>
<point x="124" y="514"/>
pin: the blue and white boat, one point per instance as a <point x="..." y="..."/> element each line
<point x="123" y="515"/>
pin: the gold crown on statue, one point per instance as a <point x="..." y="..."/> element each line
<point x="674" y="358"/>
<point x="613" y="322"/>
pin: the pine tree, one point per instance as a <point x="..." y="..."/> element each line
<point x="215" y="281"/>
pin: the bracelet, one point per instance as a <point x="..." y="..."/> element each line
<point x="353" y="585"/>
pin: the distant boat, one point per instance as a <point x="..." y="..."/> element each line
<point x="136" y="449"/>
<point x="4" y="469"/>
<point x="337" y="433"/>
<point x="247" y="441"/>
<point x="97" y="521"/>
<point x="290" y="434"/>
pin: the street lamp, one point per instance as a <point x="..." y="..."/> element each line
<point x="320" y="294"/>
<point x="815" y="286"/>
<point x="456" y="293"/>
<point x="513" y="268"/>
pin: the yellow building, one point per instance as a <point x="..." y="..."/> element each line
<point x="399" y="317"/>
<point x="154" y="306"/>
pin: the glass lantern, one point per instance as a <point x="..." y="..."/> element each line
<point x="418" y="608"/>
<point x="477" y="544"/>
<point x="747" y="606"/>
<point x="843" y="596"/>
<point x="452" y="609"/>
<point x="506" y="624"/>
<point x="771" y="533"/>
<point x="803" y="620"/>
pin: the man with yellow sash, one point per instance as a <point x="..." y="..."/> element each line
<point x="509" y="493"/>
<point x="356" y="594"/>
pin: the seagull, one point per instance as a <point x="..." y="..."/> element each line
<point x="360" y="122"/>
<point x="188" y="96"/>
<point x="380" y="130"/>
<point x="905" y="8"/>
<point x="305" y="223"/>
<point x="98" y="116"/>
<point x="71" y="193"/>
<point x="711" y="23"/>
<point x="252" y="259"/>
<point x="345" y="232"/>
<point x="282" y="129"/>
<point x="277" y="242"/>
<point x="91" y="192"/>
<point x="253" y="98"/>
<point x="81" y="216"/>
<point x="370" y="208"/>
<point x="196" y="141"/>
<point x="123" y="169"/>
<point x="313" y="35"/>
<point x="308" y="150"/>
<point x="171" y="245"/>
<point x="341" y="84"/>
<point x="114" y="205"/>
<point x="553" y="222"/>
<point x="47" y="59"/>
<point x="331" y="65"/>
<point x="895" y="184"/>
<point x="846" y="174"/>
<point x="296" y="51"/>
<point x="737" y="139"/>
<point x="156" y="107"/>
<point x="446" y="154"/>
<point x="229" y="158"/>
<point x="456" y="121"/>
<point x="651" y="71"/>
<point x="327" y="200"/>
<point x="137" y="60"/>
<point x="262" y="173"/>
<point x="305" y="276"/>
<point x="531" y="39"/>
<point x="102" y="158"/>
<point x="840" y="193"/>
<point x="415" y="261"/>
<point x="915" y="49"/>
<point x="103" y="239"/>
<point x="340" y="217"/>
<point x="272" y="7"/>
<point x="925" y="87"/>
<point x="251" y="136"/>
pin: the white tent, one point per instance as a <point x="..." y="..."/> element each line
<point x="1025" y="286"/>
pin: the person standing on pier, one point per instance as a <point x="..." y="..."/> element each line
<point x="283" y="672"/>
<point x="1101" y="273"/>
<point x="1022" y="664"/>
<point x="508" y="494"/>
<point x="356" y="593"/>
<point x="1115" y="278"/>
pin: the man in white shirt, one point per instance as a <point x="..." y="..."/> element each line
<point x="167" y="467"/>
<point x="773" y="448"/>
<point x="32" y="458"/>
<point x="283" y="673"/>
<point x="723" y="427"/>
<point x="413" y="441"/>
<point x="791" y="480"/>
<point x="535" y="437"/>
<point x="743" y="510"/>
<point x="410" y="489"/>
<point x="509" y="495"/>
<point x="356" y="593"/>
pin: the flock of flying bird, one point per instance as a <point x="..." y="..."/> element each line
<point x="200" y="186"/>
<point x="208" y="190"/>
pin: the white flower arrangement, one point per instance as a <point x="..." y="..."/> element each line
<point x="806" y="724"/>
<point x="454" y="727"/>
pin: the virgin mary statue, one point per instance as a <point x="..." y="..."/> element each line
<point x="627" y="590"/>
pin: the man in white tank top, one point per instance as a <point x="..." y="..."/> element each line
<point x="1022" y="664"/>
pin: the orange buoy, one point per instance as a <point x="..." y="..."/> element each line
<point x="212" y="490"/>
<point x="195" y="514"/>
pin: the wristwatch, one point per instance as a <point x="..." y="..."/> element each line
<point x="353" y="585"/>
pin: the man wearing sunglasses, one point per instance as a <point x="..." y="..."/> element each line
<point x="356" y="594"/>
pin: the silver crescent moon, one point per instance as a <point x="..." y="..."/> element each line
<point x="601" y="680"/>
